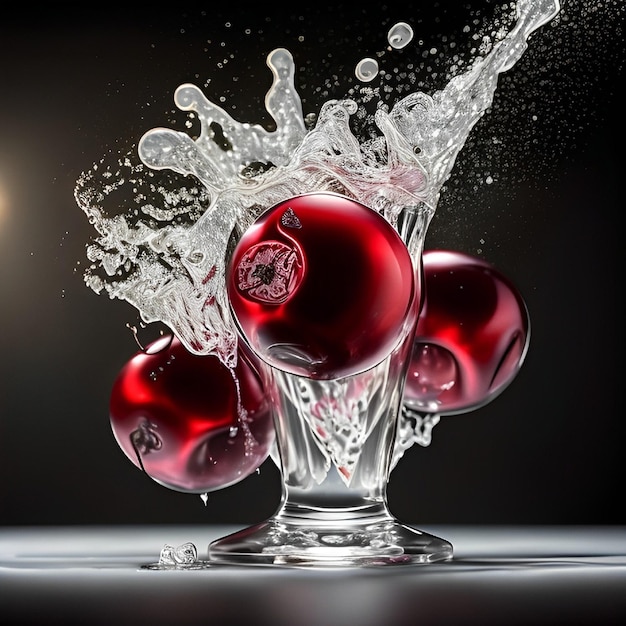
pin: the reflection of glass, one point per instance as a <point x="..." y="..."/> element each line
<point x="335" y="441"/>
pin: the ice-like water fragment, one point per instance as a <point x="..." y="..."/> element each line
<point x="182" y="557"/>
<point x="413" y="427"/>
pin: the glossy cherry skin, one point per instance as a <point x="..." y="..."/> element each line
<point x="191" y="423"/>
<point x="321" y="286"/>
<point x="471" y="338"/>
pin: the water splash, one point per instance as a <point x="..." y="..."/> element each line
<point x="168" y="258"/>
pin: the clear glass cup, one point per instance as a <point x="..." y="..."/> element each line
<point x="335" y="442"/>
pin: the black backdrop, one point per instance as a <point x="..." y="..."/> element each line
<point x="80" y="83"/>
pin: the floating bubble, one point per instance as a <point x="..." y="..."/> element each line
<point x="400" y="35"/>
<point x="367" y="69"/>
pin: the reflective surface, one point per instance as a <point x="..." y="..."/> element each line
<point x="191" y="423"/>
<point x="321" y="286"/>
<point x="471" y="338"/>
<point x="499" y="575"/>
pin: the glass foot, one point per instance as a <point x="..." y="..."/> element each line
<point x="374" y="543"/>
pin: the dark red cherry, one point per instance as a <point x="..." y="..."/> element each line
<point x="191" y="423"/>
<point x="471" y="338"/>
<point x="321" y="286"/>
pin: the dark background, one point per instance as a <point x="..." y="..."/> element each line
<point x="81" y="83"/>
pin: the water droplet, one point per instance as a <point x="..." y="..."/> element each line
<point x="205" y="498"/>
<point x="366" y="69"/>
<point x="400" y="35"/>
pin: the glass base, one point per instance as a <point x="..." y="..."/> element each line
<point x="359" y="543"/>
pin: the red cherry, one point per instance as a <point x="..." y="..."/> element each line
<point x="472" y="335"/>
<point x="321" y="286"/>
<point x="188" y="421"/>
